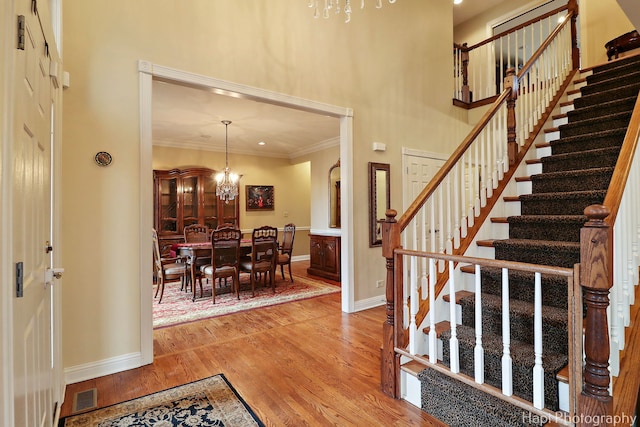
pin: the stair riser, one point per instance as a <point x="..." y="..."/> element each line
<point x="586" y="161"/>
<point x="521" y="327"/>
<point x="596" y="111"/>
<point x="561" y="257"/>
<point x="554" y="291"/>
<point x="611" y="81"/>
<point x="559" y="206"/>
<point x="586" y="127"/>
<point x="593" y="142"/>
<point x="611" y="67"/>
<point x="597" y="98"/>
<point x="456" y="404"/>
<point x="568" y="232"/>
<point x="579" y="182"/>
<point x="523" y="377"/>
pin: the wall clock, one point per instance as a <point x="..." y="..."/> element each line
<point x="103" y="158"/>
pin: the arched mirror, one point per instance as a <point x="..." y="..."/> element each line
<point x="334" y="196"/>
<point x="379" y="200"/>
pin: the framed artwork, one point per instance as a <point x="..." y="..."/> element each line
<point x="259" y="197"/>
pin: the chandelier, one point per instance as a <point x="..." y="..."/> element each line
<point x="227" y="181"/>
<point x="335" y="4"/>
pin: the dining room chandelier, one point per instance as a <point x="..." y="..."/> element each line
<point x="226" y="181"/>
<point x="328" y="5"/>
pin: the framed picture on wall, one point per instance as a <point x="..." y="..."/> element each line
<point x="259" y="197"/>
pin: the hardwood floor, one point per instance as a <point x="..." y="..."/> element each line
<point x="303" y="363"/>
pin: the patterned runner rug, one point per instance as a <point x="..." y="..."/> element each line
<point x="177" y="306"/>
<point x="209" y="402"/>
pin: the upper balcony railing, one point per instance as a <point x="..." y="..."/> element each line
<point x="480" y="70"/>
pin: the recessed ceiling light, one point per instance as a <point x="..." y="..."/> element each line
<point x="457" y="1"/>
<point x="262" y="143"/>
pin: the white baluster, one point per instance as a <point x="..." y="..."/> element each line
<point x="478" y="351"/>
<point x="433" y="337"/>
<point x="453" y="342"/>
<point x="507" y="362"/>
<point x="414" y="306"/>
<point x="456" y="205"/>
<point x="538" y="371"/>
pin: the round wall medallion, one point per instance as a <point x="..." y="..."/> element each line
<point x="103" y="158"/>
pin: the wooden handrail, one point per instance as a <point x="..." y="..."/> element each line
<point x="437" y="179"/>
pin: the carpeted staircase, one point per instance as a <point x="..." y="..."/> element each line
<point x="576" y="175"/>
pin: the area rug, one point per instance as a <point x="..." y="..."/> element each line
<point x="177" y="306"/>
<point x="209" y="402"/>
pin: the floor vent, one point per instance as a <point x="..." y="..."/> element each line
<point x="85" y="400"/>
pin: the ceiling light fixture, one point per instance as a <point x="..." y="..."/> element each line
<point x="335" y="4"/>
<point x="227" y="181"/>
<point x="457" y="1"/>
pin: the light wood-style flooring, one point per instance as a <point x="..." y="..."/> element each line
<point x="303" y="363"/>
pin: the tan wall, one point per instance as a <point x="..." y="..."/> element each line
<point x="291" y="185"/>
<point x="398" y="83"/>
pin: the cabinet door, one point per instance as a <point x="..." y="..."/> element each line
<point x="315" y="253"/>
<point x="330" y="251"/>
<point x="168" y="205"/>
<point x="190" y="201"/>
<point x="210" y="202"/>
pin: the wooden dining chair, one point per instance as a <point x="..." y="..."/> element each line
<point x="166" y="269"/>
<point x="264" y="252"/>
<point x="196" y="233"/>
<point x="286" y="249"/>
<point x="225" y="259"/>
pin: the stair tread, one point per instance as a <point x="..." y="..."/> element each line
<point x="551" y="130"/>
<point x="578" y="172"/>
<point x="536" y="243"/>
<point x="488" y="243"/>
<point x="523" y="178"/>
<point x="585" y="153"/>
<point x="511" y="198"/>
<point x="412" y="367"/>
<point x="543" y="144"/>
<point x="533" y="161"/>
<point x="499" y="220"/>
<point x="563" y="195"/>
<point x="547" y="218"/>
<point x="458" y="296"/>
<point x="440" y="328"/>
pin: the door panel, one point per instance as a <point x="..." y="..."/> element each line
<point x="31" y="204"/>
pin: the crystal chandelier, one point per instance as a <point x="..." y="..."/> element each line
<point x="227" y="181"/>
<point x="335" y="4"/>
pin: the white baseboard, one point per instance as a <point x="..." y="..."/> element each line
<point x="103" y="367"/>
<point x="365" y="304"/>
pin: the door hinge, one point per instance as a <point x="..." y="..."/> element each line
<point x="34" y="6"/>
<point x="21" y="29"/>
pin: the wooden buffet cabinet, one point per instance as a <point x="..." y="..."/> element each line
<point x="324" y="256"/>
<point x="188" y="196"/>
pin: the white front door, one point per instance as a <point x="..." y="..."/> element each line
<point x="33" y="375"/>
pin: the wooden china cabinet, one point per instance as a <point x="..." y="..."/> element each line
<point x="188" y="196"/>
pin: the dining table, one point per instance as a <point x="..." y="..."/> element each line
<point x="201" y="250"/>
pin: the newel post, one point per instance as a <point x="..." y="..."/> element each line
<point x="595" y="400"/>
<point x="575" y="50"/>
<point x="464" y="56"/>
<point x="511" y="82"/>
<point x="390" y="362"/>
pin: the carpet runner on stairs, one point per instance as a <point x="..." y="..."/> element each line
<point x="574" y="176"/>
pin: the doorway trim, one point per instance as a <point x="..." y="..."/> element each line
<point x="148" y="72"/>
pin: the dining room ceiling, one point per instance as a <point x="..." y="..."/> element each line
<point x="189" y="117"/>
